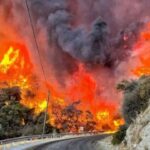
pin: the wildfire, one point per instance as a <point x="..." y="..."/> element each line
<point x="103" y="115"/>
<point x="84" y="86"/>
<point x="7" y="60"/>
<point x="143" y="49"/>
<point x="43" y="105"/>
<point x="13" y="69"/>
<point x="16" y="69"/>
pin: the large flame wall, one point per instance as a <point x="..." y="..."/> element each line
<point x="68" y="78"/>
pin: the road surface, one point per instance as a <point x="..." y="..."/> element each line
<point x="86" y="143"/>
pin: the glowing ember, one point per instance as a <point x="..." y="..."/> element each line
<point x="43" y="105"/>
<point x="118" y="122"/>
<point x="108" y="121"/>
<point x="103" y="115"/>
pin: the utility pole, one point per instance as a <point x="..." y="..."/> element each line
<point x="45" y="115"/>
<point x="40" y="60"/>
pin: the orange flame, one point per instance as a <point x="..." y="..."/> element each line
<point x="143" y="49"/>
<point x="7" y="61"/>
<point x="16" y="69"/>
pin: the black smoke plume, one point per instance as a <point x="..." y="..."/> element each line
<point x="98" y="44"/>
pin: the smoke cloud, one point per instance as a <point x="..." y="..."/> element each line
<point x="87" y="34"/>
<point x="90" y="31"/>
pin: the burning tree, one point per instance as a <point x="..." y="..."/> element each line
<point x="90" y="123"/>
<point x="71" y="115"/>
<point x="15" y="118"/>
<point x="71" y="119"/>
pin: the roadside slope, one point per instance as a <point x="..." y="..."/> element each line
<point x="137" y="136"/>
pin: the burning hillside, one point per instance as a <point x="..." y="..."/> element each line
<point x="17" y="70"/>
<point x="81" y="64"/>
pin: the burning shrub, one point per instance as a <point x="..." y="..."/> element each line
<point x="119" y="136"/>
<point x="71" y="119"/>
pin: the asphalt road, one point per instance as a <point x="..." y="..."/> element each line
<point x="86" y="143"/>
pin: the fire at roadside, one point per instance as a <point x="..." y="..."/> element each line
<point x="81" y="82"/>
<point x="17" y="70"/>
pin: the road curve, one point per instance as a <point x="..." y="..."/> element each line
<point x="86" y="143"/>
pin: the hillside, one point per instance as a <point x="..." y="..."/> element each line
<point x="136" y="112"/>
<point x="137" y="135"/>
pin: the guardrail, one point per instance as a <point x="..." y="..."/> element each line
<point x="36" y="137"/>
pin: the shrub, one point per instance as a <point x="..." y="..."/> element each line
<point x="136" y="97"/>
<point x="119" y="136"/>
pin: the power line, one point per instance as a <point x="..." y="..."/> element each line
<point x="38" y="50"/>
<point x="35" y="39"/>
